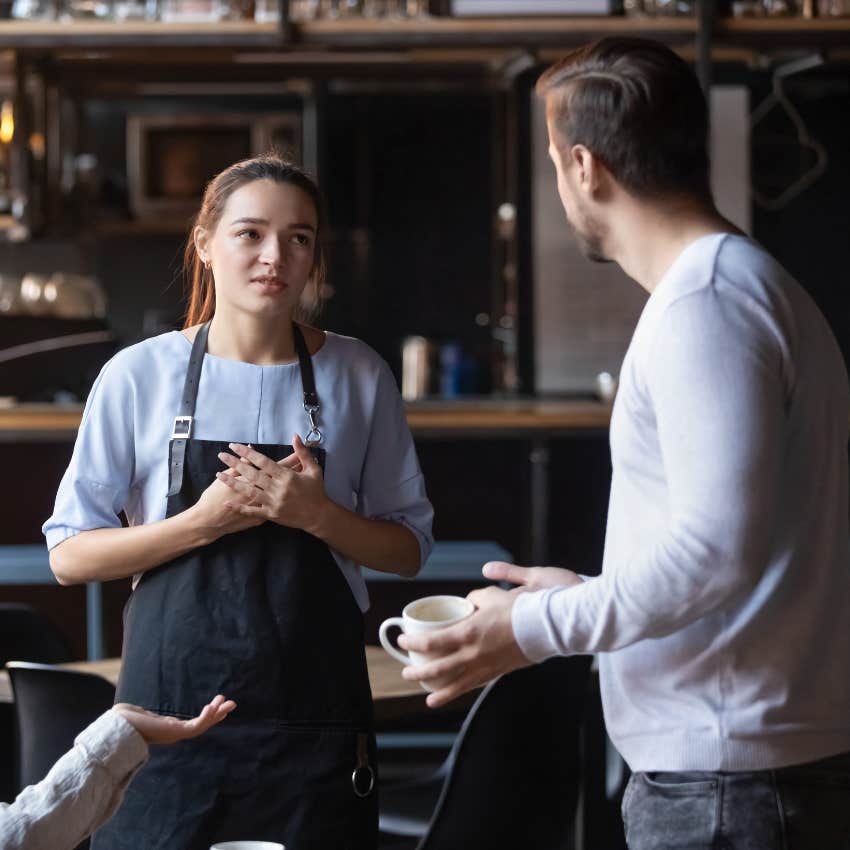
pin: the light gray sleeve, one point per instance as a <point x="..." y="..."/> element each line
<point x="81" y="792"/>
<point x="392" y="486"/>
<point x="714" y="374"/>
<point x="94" y="488"/>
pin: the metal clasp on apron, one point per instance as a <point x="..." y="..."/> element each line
<point x="314" y="436"/>
<point x="363" y="777"/>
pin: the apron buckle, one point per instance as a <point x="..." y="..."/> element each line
<point x="182" y="427"/>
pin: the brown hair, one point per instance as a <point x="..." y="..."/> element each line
<point x="637" y="106"/>
<point x="268" y="166"/>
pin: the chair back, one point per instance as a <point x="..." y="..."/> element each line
<point x="514" y="770"/>
<point x="27" y="635"/>
<point x="52" y="707"/>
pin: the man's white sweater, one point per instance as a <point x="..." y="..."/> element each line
<point x="722" y="614"/>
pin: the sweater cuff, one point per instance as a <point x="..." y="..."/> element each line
<point x="112" y="741"/>
<point x="529" y="625"/>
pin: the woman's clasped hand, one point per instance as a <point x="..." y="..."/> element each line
<point x="290" y="491"/>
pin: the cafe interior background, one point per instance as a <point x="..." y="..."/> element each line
<point x="448" y="249"/>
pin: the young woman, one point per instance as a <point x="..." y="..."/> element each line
<point x="244" y="538"/>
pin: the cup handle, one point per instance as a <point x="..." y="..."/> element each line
<point x="385" y="641"/>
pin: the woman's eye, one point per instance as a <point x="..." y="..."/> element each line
<point x="248" y="234"/>
<point x="301" y="239"/>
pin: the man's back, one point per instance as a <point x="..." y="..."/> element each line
<point x="728" y="553"/>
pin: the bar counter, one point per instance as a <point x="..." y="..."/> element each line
<point x="532" y="422"/>
<point x="490" y="417"/>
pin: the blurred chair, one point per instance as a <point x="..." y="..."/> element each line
<point x="52" y="706"/>
<point x="27" y="635"/>
<point x="512" y="777"/>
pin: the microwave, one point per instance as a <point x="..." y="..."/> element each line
<point x="172" y="156"/>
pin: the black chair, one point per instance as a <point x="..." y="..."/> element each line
<point x="52" y="706"/>
<point x="512" y="777"/>
<point x="27" y="635"/>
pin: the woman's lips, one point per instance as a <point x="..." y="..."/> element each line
<point x="268" y="285"/>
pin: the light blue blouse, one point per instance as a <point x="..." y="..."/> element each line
<point x="120" y="459"/>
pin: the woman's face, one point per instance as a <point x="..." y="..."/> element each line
<point x="262" y="251"/>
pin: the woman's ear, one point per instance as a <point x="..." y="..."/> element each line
<point x="200" y="237"/>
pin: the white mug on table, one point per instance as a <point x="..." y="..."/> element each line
<point x="425" y="615"/>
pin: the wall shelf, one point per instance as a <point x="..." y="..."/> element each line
<point x="316" y="38"/>
<point x="41" y="35"/>
<point x="488" y="32"/>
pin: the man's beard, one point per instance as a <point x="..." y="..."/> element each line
<point x="589" y="239"/>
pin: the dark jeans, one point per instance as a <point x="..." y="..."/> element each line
<point x="804" y="807"/>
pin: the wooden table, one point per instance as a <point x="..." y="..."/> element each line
<point x="393" y="696"/>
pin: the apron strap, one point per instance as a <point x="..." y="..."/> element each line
<point x="308" y="383"/>
<point x="182" y="430"/>
<point x="183" y="421"/>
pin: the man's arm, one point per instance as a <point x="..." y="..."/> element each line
<point x="715" y="380"/>
<point x="86" y="786"/>
<point x="717" y="394"/>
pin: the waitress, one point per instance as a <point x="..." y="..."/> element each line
<point x="244" y="538"/>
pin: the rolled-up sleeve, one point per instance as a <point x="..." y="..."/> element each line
<point x="392" y="485"/>
<point x="94" y="488"/>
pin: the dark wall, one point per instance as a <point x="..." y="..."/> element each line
<point x="811" y="235"/>
<point x="408" y="184"/>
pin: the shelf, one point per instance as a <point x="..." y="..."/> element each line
<point x="809" y="33"/>
<point x="147" y="34"/>
<point x="317" y="38"/>
<point x="487" y="32"/>
<point x="327" y="35"/>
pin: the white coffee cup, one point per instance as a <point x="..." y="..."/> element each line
<point x="428" y="614"/>
<point x="247" y="845"/>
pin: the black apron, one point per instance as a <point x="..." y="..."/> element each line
<point x="265" y="617"/>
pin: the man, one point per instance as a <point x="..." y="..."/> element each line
<point x="86" y="786"/>
<point x="722" y="614"/>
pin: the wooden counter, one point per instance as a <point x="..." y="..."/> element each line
<point x="456" y="419"/>
<point x="534" y="421"/>
<point x="39" y="422"/>
<point x="503" y="417"/>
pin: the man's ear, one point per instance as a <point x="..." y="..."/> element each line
<point x="588" y="168"/>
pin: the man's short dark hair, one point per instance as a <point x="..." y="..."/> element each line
<point x="637" y="106"/>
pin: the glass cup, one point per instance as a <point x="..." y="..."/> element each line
<point x="189" y="11"/>
<point x="303" y="10"/>
<point x="33" y="10"/>
<point x="135" y="10"/>
<point x="267" y="11"/>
